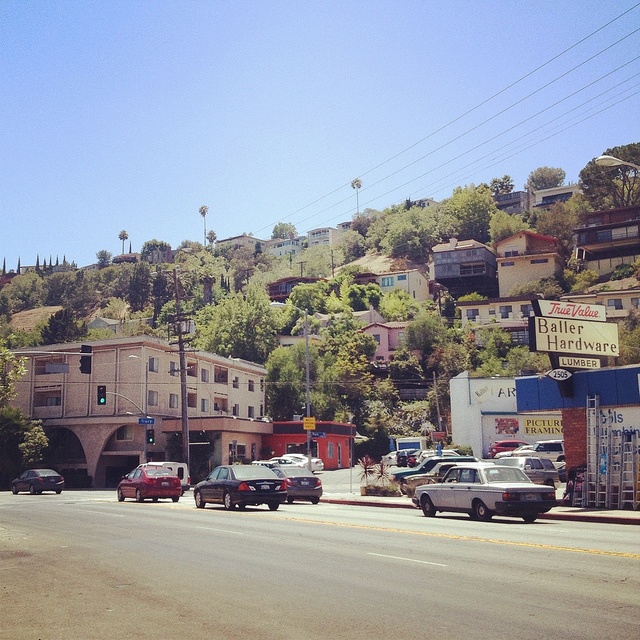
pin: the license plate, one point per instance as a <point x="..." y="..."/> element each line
<point x="304" y="483"/>
<point x="265" y="487"/>
<point x="531" y="496"/>
<point x="165" y="484"/>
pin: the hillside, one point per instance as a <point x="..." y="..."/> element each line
<point x="30" y="319"/>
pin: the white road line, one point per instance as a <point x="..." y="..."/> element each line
<point x="381" y="555"/>
<point x="239" y="533"/>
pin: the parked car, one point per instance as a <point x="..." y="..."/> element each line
<point x="549" y="449"/>
<point x="429" y="453"/>
<point x="408" y="485"/>
<point x="266" y="463"/>
<point x="239" y="485"/>
<point x="150" y="482"/>
<point x="484" y="489"/>
<point x="526" y="450"/>
<point x="425" y="466"/>
<point x="316" y="463"/>
<point x="288" y="461"/>
<point x="300" y="483"/>
<point x="538" y="470"/>
<point x="505" y="445"/>
<point x="402" y="457"/>
<point x="38" y="480"/>
<point x="179" y="468"/>
<point x="390" y="459"/>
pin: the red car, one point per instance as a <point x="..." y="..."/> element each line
<point x="505" y="445"/>
<point x="154" y="483"/>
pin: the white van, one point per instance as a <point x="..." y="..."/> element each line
<point x="179" y="468"/>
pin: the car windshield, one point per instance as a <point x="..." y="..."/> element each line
<point x="505" y="474"/>
<point x="246" y="472"/>
<point x="47" y="472"/>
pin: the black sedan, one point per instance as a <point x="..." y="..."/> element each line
<point x="300" y="483"/>
<point x="38" y="480"/>
<point x="241" y="485"/>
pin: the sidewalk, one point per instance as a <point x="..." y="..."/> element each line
<point x="557" y="513"/>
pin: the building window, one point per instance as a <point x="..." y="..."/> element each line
<point x="539" y="260"/>
<point x="472" y="269"/>
<point x="236" y="382"/>
<point x="204" y="375"/>
<point x="331" y="450"/>
<point x="53" y="365"/>
<point x="614" y="303"/>
<point x="235" y="410"/>
<point x="220" y="405"/>
<point x="510" y="263"/>
<point x="387" y="281"/>
<point x="174" y="369"/>
<point x="511" y="253"/>
<point x="526" y="310"/>
<point x="152" y="398"/>
<point x="124" y="433"/>
<point x="192" y="369"/>
<point x="635" y="302"/>
<point x="251" y="385"/>
<point x="402" y="276"/>
<point x="506" y="311"/>
<point x="47" y="398"/>
<point x="192" y="400"/>
<point x="472" y="314"/>
<point x="173" y="401"/>
<point x="251" y="412"/>
<point x="154" y="364"/>
<point x="204" y="405"/>
<point x="376" y="337"/>
<point x="221" y="375"/>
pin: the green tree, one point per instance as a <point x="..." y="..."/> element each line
<point x="559" y="222"/>
<point x="398" y="305"/>
<point x="425" y="332"/>
<point x="499" y="186"/>
<point x="240" y="326"/>
<point x="140" y="287"/>
<point x="123" y="235"/>
<point x="104" y="258"/>
<point x="284" y="230"/>
<point x="472" y="208"/>
<point x="545" y="178"/>
<point x="62" y="327"/>
<point x="151" y="246"/>
<point x="504" y="225"/>
<point x="26" y="291"/>
<point x="613" y="187"/>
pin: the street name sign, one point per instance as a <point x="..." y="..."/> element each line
<point x="146" y="420"/>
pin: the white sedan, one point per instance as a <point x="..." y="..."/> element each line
<point x="302" y="461"/>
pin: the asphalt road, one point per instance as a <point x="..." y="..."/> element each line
<point x="83" y="566"/>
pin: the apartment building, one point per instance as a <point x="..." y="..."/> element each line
<point x="526" y="257"/>
<point x="97" y="443"/>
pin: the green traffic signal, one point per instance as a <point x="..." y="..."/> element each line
<point x="102" y="394"/>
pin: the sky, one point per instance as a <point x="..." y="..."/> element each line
<point x="131" y="115"/>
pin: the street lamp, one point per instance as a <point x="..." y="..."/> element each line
<point x="611" y="161"/>
<point x="306" y="360"/>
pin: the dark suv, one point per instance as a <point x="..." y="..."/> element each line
<point x="403" y="455"/>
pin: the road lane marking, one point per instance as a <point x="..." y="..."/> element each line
<point x="240" y="533"/>
<point x="453" y="536"/>
<point x="382" y="555"/>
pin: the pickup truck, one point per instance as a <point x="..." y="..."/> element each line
<point x="484" y="489"/>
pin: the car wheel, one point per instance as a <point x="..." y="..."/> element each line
<point x="14" y="489"/>
<point x="530" y="519"/>
<point x="197" y="496"/>
<point x="32" y="490"/>
<point x="315" y="500"/>
<point x="58" y="491"/>
<point x="427" y="507"/>
<point x="139" y="497"/>
<point x="290" y="500"/>
<point x="176" y="498"/>
<point x="227" y="501"/>
<point x="481" y="512"/>
<point x="120" y="495"/>
<point x="273" y="506"/>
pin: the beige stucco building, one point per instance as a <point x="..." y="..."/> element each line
<point x="94" y="444"/>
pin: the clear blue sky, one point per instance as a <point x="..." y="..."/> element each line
<point x="129" y="115"/>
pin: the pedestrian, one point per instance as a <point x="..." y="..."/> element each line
<point x="439" y="449"/>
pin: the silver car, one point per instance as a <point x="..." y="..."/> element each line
<point x="538" y="470"/>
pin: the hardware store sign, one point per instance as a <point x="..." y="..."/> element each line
<point x="580" y="337"/>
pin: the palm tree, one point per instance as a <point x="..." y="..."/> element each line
<point x="203" y="212"/>
<point x="123" y="235"/>
<point x="356" y="183"/>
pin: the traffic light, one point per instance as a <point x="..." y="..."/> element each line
<point x="102" y="394"/>
<point x="151" y="436"/>
<point x="85" y="361"/>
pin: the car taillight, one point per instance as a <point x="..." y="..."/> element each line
<point x="244" y="487"/>
<point x="286" y="484"/>
<point x="550" y="496"/>
<point x="318" y="482"/>
<point x="510" y="497"/>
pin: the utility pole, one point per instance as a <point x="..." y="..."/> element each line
<point x="183" y="372"/>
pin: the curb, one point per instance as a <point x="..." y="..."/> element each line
<point x="569" y="516"/>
